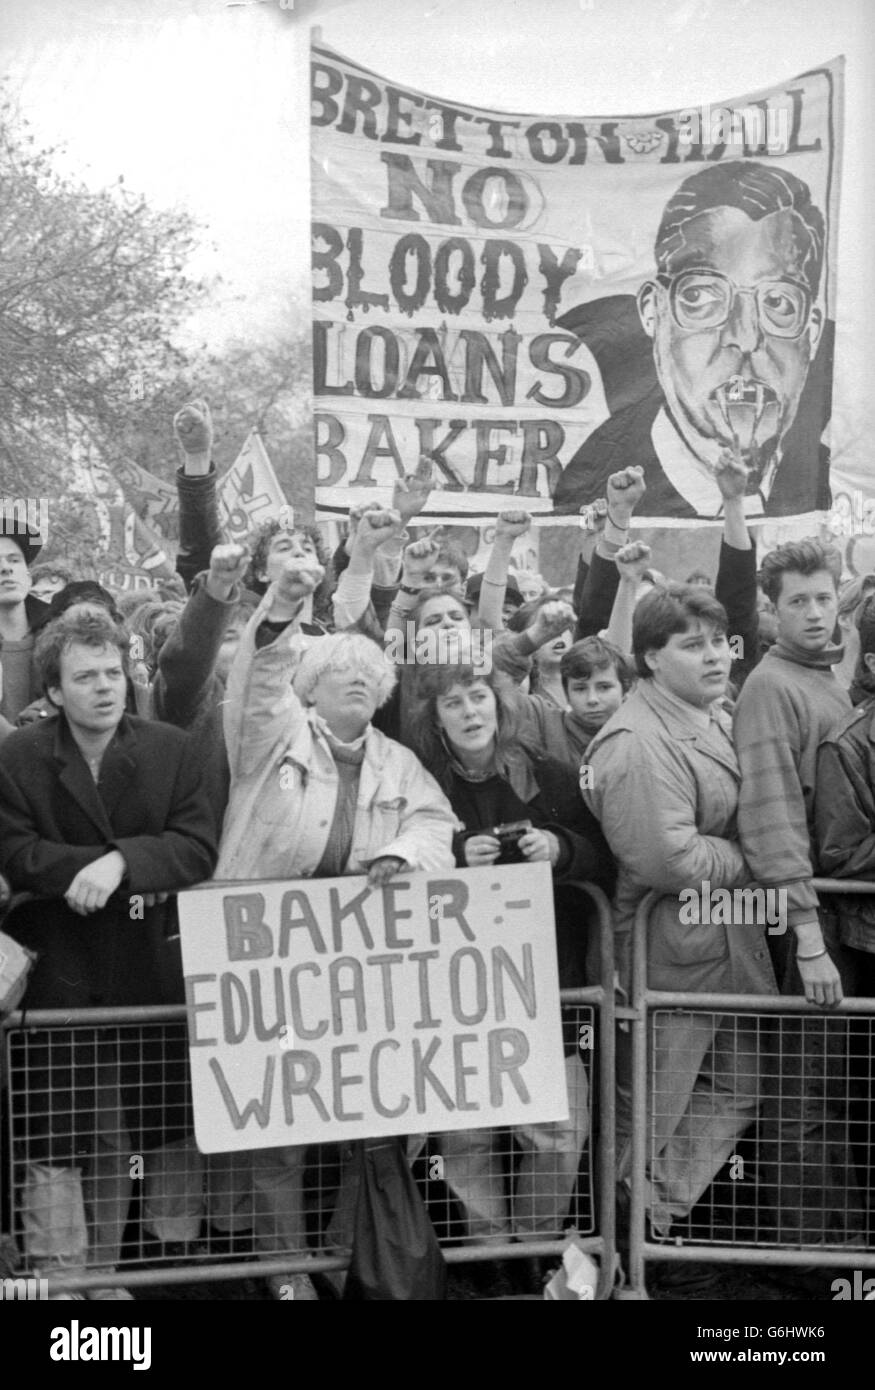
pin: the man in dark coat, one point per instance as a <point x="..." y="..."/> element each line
<point x="101" y="816"/>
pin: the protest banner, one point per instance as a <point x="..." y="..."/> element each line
<point x="154" y="500"/>
<point x="319" y="1009"/>
<point x="250" y="492"/>
<point x="536" y="301"/>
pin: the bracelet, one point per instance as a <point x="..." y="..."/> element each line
<point x="409" y="589"/>
<point x="817" y="955"/>
<point x="609" y="518"/>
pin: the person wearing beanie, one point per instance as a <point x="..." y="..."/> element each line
<point x="21" y="617"/>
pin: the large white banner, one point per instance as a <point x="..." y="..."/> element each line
<point x="538" y="300"/>
<point x="321" y="1010"/>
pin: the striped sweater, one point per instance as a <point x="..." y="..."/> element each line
<point x="789" y="703"/>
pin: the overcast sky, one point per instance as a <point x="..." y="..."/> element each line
<point x="203" y="103"/>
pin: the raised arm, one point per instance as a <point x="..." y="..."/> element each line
<point x="261" y="708"/>
<point x="624" y="491"/>
<point x="187" y="661"/>
<point x="513" y="651"/>
<point x="736" y="586"/>
<point x="508" y="526"/>
<point x="417" y="560"/>
<point x="376" y="529"/>
<point x="631" y="561"/>
<point x="199" y="528"/>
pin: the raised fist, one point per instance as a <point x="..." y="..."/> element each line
<point x="632" y="560"/>
<point x="731" y="474"/>
<point x="376" y="526"/>
<point x="551" y="620"/>
<point x="625" y="490"/>
<point x="512" y="524"/>
<point x="299" y="577"/>
<point x="593" y="515"/>
<point x="193" y="427"/>
<point x="228" y="565"/>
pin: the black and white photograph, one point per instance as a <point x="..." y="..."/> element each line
<point x="437" y="668"/>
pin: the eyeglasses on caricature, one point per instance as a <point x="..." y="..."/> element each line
<point x="704" y="299"/>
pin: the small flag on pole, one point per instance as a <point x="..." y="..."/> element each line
<point x="154" y="500"/>
<point x="250" y="491"/>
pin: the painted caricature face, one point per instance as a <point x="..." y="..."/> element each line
<point x="733" y="330"/>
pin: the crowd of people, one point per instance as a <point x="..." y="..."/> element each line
<point x="286" y="713"/>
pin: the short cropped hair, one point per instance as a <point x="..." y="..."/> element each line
<point x="798" y="557"/>
<point x="592" y="654"/>
<point x="756" y="190"/>
<point x="92" y="629"/>
<point x="259" y="544"/>
<point x="338" y="652"/>
<point x="666" y="611"/>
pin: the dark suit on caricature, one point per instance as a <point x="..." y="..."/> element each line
<point x="795" y="370"/>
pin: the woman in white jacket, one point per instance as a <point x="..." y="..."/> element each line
<point x="316" y="791"/>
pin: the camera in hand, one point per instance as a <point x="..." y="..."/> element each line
<point x="508" y="836"/>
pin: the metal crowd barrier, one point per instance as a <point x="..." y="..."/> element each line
<point x="773" y="1072"/>
<point x="178" y="1217"/>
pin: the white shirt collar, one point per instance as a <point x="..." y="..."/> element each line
<point x="689" y="476"/>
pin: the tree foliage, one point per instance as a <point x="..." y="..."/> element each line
<point x="94" y="298"/>
<point x="264" y="385"/>
<point x="92" y="288"/>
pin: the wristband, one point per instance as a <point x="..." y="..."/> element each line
<point x="612" y="530"/>
<point x="817" y="955"/>
<point x="410" y="589"/>
<point x="613" y="523"/>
